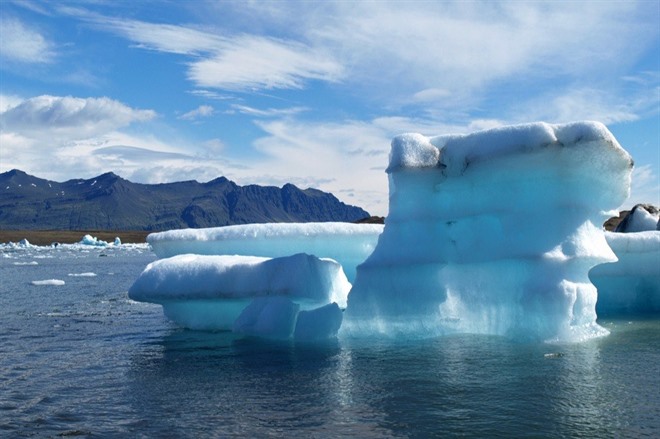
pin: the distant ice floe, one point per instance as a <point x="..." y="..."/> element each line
<point x="88" y="274"/>
<point x="54" y="282"/>
<point x="87" y="242"/>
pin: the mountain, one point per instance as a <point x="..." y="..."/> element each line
<point x="109" y="202"/>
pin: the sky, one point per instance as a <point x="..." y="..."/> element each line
<point x="311" y="93"/>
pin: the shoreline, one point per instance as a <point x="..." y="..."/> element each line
<point x="47" y="237"/>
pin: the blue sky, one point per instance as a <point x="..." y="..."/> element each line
<point x="270" y="92"/>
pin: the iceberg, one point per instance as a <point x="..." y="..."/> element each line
<point x="492" y="232"/>
<point x="495" y="232"/>
<point x="248" y="294"/>
<point x="349" y="244"/>
<point x="642" y="217"/>
<point x="631" y="285"/>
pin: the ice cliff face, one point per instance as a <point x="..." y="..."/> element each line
<point x="465" y="247"/>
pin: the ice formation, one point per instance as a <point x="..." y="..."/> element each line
<point x="53" y="282"/>
<point x="94" y="241"/>
<point x="492" y="232"/>
<point x="348" y="244"/>
<point x="631" y="285"/>
<point x="642" y="217"/>
<point x="252" y="295"/>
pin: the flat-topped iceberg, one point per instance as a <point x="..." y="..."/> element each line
<point x="247" y="294"/>
<point x="349" y="244"/>
<point x="492" y="232"/>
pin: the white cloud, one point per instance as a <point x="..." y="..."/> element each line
<point x="252" y="62"/>
<point x="239" y="62"/>
<point x="435" y="54"/>
<point x="8" y="101"/>
<point x="23" y="44"/>
<point x="270" y="112"/>
<point x="201" y="111"/>
<point x="584" y="104"/>
<point x="645" y="188"/>
<point x="69" y="116"/>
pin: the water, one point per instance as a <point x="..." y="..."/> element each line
<point x="82" y="360"/>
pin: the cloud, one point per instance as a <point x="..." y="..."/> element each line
<point x="587" y="103"/>
<point x="235" y="62"/>
<point x="8" y="101"/>
<point x="645" y="187"/>
<point x="201" y="111"/>
<point x="23" y="44"/>
<point x="253" y="62"/>
<point x="270" y="112"/>
<point x="69" y="116"/>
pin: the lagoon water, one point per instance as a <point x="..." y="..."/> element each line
<point x="81" y="359"/>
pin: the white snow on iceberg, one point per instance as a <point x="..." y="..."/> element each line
<point x="348" y="244"/>
<point x="252" y="295"/>
<point x="492" y="232"/>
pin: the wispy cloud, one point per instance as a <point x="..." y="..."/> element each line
<point x="24" y="44"/>
<point x="270" y="112"/>
<point x="254" y="62"/>
<point x="228" y="62"/>
<point x="645" y="187"/>
<point x="199" y="112"/>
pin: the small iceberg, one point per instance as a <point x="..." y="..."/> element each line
<point x="54" y="282"/>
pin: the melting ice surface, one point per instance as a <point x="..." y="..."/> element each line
<point x="493" y="232"/>
<point x="248" y="294"/>
<point x="348" y="244"/>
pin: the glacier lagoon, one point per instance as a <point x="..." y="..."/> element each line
<point x="465" y="247"/>
<point x="406" y="381"/>
<point x="81" y="359"/>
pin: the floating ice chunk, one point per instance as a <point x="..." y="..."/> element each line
<point x="318" y="324"/>
<point x="496" y="237"/>
<point x="348" y="244"/>
<point x="87" y="274"/>
<point x="210" y="292"/>
<point x="55" y="282"/>
<point x="117" y="241"/>
<point x="26" y="263"/>
<point x="268" y="317"/>
<point x="641" y="218"/>
<point x="93" y="241"/>
<point x="630" y="285"/>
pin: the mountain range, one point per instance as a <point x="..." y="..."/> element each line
<point x="109" y="202"/>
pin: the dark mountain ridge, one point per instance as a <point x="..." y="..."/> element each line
<point x="109" y="202"/>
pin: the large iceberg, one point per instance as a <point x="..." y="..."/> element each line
<point x="251" y="295"/>
<point x="631" y="285"/>
<point x="348" y="244"/>
<point x="492" y="232"/>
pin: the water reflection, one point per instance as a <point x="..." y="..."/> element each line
<point x="477" y="386"/>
